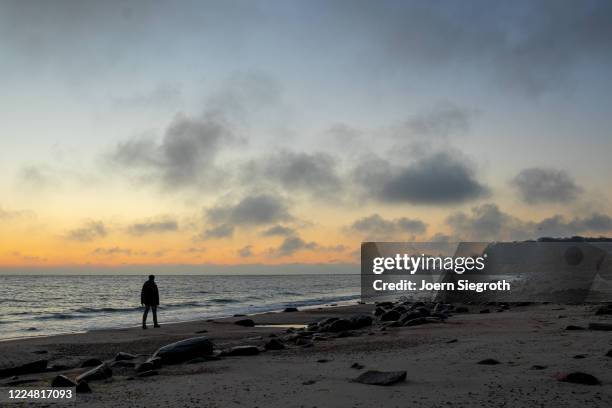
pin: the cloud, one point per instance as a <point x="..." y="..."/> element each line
<point x="184" y="157"/>
<point x="90" y="231"/>
<point x="195" y="250"/>
<point x="258" y="209"/>
<point x="220" y="231"/>
<point x="112" y="251"/>
<point x="148" y="227"/>
<point x="10" y="215"/>
<point x="376" y="226"/>
<point x="246" y="251"/>
<point x="278" y="230"/>
<point x="558" y="226"/>
<point x="308" y="172"/>
<point x="291" y="245"/>
<point x="444" y="177"/>
<point x="540" y="185"/>
<point x="441" y="121"/>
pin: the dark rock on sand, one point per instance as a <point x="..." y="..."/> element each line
<point x="28" y="368"/>
<point x="92" y="362"/>
<point x="573" y="327"/>
<point x="609" y="353"/>
<point x="361" y="321"/>
<point x="245" y="322"/>
<point x="338" y="326"/>
<point x="381" y="377"/>
<point x="452" y="341"/>
<point x="184" y="350"/>
<point x="489" y="361"/>
<point x="580" y="356"/>
<point x="101" y="372"/>
<point x="357" y="366"/>
<point x="147" y="373"/>
<point x="242" y="351"/>
<point x="538" y="367"/>
<point x="390" y="316"/>
<point x="83" y="388"/>
<point x="123" y="364"/>
<point x="604" y="310"/>
<point x="146" y="366"/>
<point x="579" y="378"/>
<point x="62" y="381"/>
<point x="274" y="344"/>
<point x="155" y="361"/>
<point x="124" y="356"/>
<point x="290" y="309"/>
<point x="600" y="326"/>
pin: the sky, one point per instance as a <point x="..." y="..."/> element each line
<point x="258" y="135"/>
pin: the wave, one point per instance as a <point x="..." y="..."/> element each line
<point x="224" y="300"/>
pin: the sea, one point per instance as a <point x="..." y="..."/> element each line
<point x="46" y="305"/>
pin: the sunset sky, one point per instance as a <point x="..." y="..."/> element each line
<point x="282" y="132"/>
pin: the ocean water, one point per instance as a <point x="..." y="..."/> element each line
<point x="46" y="305"/>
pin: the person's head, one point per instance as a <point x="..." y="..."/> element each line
<point x="151" y="278"/>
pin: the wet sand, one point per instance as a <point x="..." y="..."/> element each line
<point x="440" y="360"/>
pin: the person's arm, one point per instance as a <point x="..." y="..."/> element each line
<point x="142" y="295"/>
<point x="156" y="294"/>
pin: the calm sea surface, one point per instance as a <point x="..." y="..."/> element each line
<point x="44" y="305"/>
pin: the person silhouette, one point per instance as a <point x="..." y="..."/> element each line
<point x="149" y="298"/>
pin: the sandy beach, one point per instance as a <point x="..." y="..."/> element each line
<point x="530" y="343"/>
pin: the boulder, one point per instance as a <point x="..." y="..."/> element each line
<point x="290" y="309"/>
<point x="579" y="378"/>
<point x="61" y="381"/>
<point x="573" y="327"/>
<point x="123" y="364"/>
<point x="83" y="388"/>
<point x="338" y="326"/>
<point x="245" y="322"/>
<point x="361" y="321"/>
<point x="489" y="361"/>
<point x="101" y="372"/>
<point x="274" y="344"/>
<point x="124" y="356"/>
<point x="538" y="367"/>
<point x="381" y="377"/>
<point x="91" y="362"/>
<point x="155" y="361"/>
<point x="390" y="316"/>
<point x="600" y="326"/>
<point x="609" y="353"/>
<point x="28" y="368"/>
<point x="184" y="350"/>
<point x="242" y="351"/>
<point x="146" y="366"/>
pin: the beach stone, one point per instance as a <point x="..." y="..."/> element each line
<point x="538" y="367"/>
<point x="579" y="378"/>
<point x="391" y="315"/>
<point x="290" y="309"/>
<point x="600" y="326"/>
<point x="155" y="361"/>
<point x="373" y="377"/>
<point x="361" y="321"/>
<point x="609" y="353"/>
<point x="124" y="356"/>
<point x="573" y="327"/>
<point x="83" y="388"/>
<point x="92" y="362"/>
<point x="101" y="372"/>
<point x="379" y="311"/>
<point x="147" y="373"/>
<point x="184" y="350"/>
<point x="274" y="344"/>
<point x="245" y="322"/>
<point x="489" y="361"/>
<point x="28" y="368"/>
<point x="338" y="326"/>
<point x="357" y="366"/>
<point x="123" y="364"/>
<point x="146" y="366"/>
<point x="62" y="381"/>
<point x="301" y="341"/>
<point x="604" y="310"/>
<point x="242" y="351"/>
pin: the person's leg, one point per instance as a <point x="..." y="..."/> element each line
<point x="154" y="309"/>
<point x="144" y="317"/>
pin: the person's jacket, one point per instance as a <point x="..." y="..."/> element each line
<point x="149" y="295"/>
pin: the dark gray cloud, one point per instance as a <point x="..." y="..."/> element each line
<point x="113" y="251"/>
<point x="184" y="157"/>
<point x="246" y="251"/>
<point x="218" y="232"/>
<point x="278" y="230"/>
<point x="377" y="226"/>
<point x="291" y="245"/>
<point x="487" y="222"/>
<point x="258" y="209"/>
<point x="153" y="226"/>
<point x="441" y="121"/>
<point x="309" y="172"/>
<point x="541" y="185"/>
<point x="89" y="231"/>
<point x="440" y="178"/>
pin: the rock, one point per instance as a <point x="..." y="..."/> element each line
<point x="83" y="388"/>
<point x="338" y="326"/>
<point x="579" y="378"/>
<point x="580" y="356"/>
<point x="123" y="364"/>
<point x="609" y="353"/>
<point x="309" y="382"/>
<point x="28" y="368"/>
<point x="485" y="311"/>
<point x="391" y="315"/>
<point x="357" y="366"/>
<point x="290" y="309"/>
<point x="147" y="373"/>
<point x="489" y="361"/>
<point x="155" y="361"/>
<point x="92" y="362"/>
<point x="361" y="321"/>
<point x="538" y="367"/>
<point x="379" y="311"/>
<point x="604" y="310"/>
<point x="184" y="350"/>
<point x="245" y="322"/>
<point x="101" y="372"/>
<point x="201" y="331"/>
<point x="461" y="309"/>
<point x="274" y="344"/>
<point x="600" y="326"/>
<point x="58" y="367"/>
<point x="300" y="341"/>
<point x="572" y="327"/>
<point x="124" y="356"/>
<point x="239" y="315"/>
<point x="242" y="351"/>
<point x="381" y="377"/>
<point x="62" y="381"/>
<point x="452" y="341"/>
<point x="323" y="360"/>
<point x="146" y="366"/>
